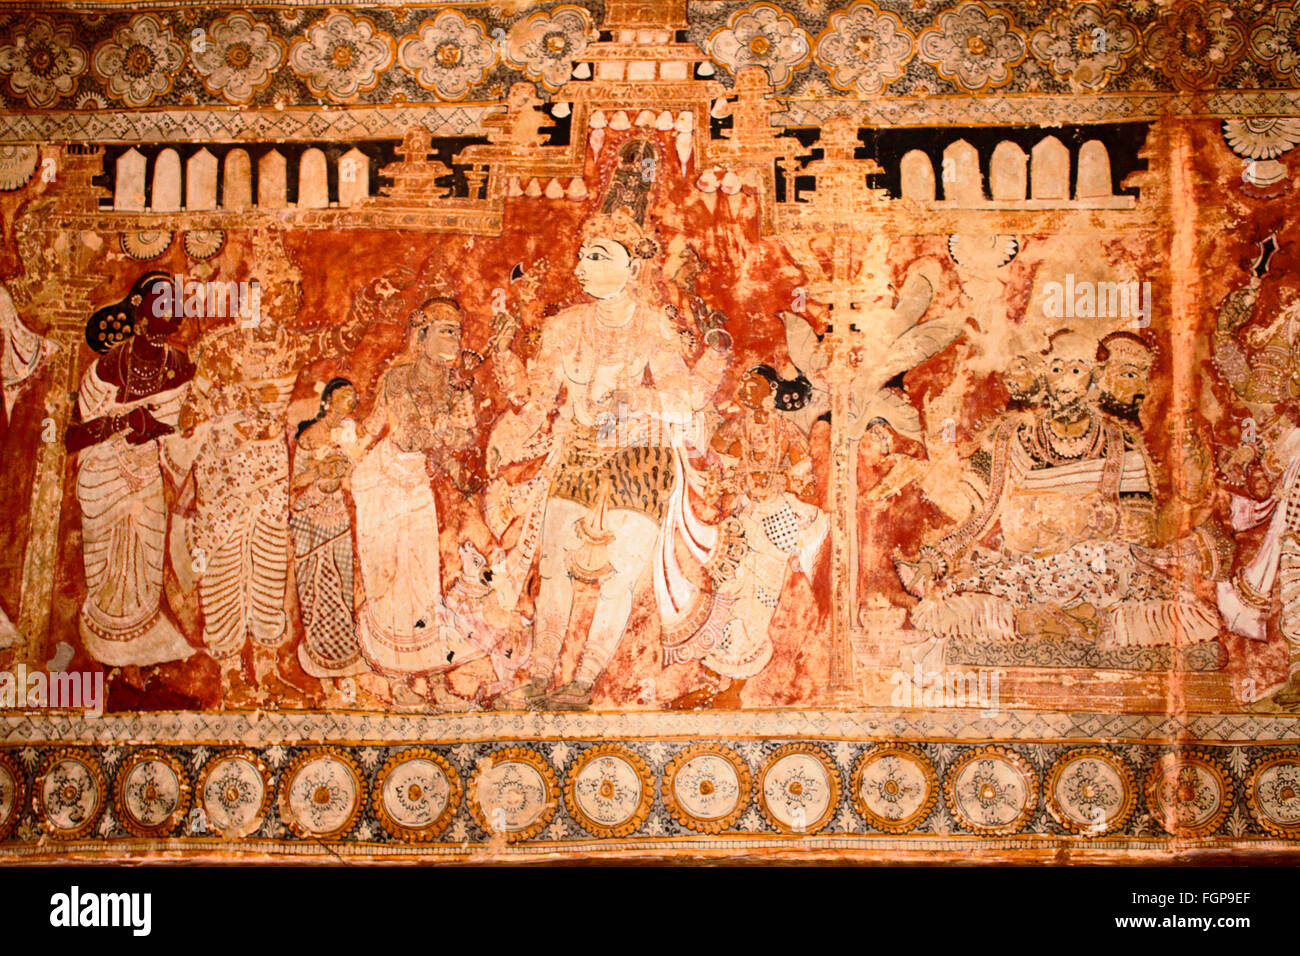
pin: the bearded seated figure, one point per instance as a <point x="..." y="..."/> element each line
<point x="1048" y="568"/>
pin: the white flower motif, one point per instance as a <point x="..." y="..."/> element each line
<point x="1262" y="137"/>
<point x="843" y="752"/>
<point x="43" y="62"/>
<point x="973" y="47"/>
<point x="274" y="755"/>
<point x="139" y="62"/>
<point x="341" y="56"/>
<point x="1089" y="45"/>
<point x="657" y="751"/>
<point x="864" y="49"/>
<point x="763" y="36"/>
<point x="546" y="45"/>
<point x="449" y="55"/>
<point x="237" y="58"/>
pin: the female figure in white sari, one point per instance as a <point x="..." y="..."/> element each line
<point x="428" y="419"/>
<point x="130" y="398"/>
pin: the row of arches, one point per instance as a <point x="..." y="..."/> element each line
<point x="203" y="182"/>
<point x="1013" y="175"/>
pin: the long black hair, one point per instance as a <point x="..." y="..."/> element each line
<point x="789" y="394"/>
<point x="332" y="386"/>
<point x="117" y="322"/>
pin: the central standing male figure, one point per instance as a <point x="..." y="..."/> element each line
<point x="617" y="444"/>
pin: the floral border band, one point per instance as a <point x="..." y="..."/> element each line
<point x="106" y="58"/>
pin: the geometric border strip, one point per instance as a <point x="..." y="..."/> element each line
<point x="216" y="125"/>
<point x="348" y="123"/>
<point x="1041" y="108"/>
<point x="284" y="727"/>
<point x="543" y="822"/>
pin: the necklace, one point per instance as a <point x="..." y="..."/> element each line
<point x="141" y="383"/>
<point x="614" y="344"/>
<point x="1060" y="449"/>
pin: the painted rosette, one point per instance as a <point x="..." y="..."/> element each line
<point x="416" y="794"/>
<point x="609" y="790"/>
<point x="706" y="787"/>
<point x="514" y="793"/>
<point x="991" y="790"/>
<point x="798" y="788"/>
<point x="234" y="793"/>
<point x="152" y="793"/>
<point x="321" y="793"/>
<point x="69" y="794"/>
<point x="1091" y="791"/>
<point x="1273" y="793"/>
<point x="17" y="164"/>
<point x="894" y="787"/>
<point x="146" y="244"/>
<point x="203" y="243"/>
<point x="1189" y="793"/>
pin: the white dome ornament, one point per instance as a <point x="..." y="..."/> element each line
<point x="1259" y="141"/>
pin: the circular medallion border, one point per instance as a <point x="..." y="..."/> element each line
<point x="638" y="812"/>
<point x="429" y="831"/>
<point x="94" y="774"/>
<point x="1259" y="790"/>
<point x="681" y="814"/>
<point x="832" y="780"/>
<point x="1090" y="828"/>
<point x="254" y="820"/>
<point x="1177" y="763"/>
<point x="18" y="798"/>
<point x="289" y="779"/>
<point x="1007" y="758"/>
<point x="180" y="806"/>
<point x="529" y="758"/>
<point x="906" y="753"/>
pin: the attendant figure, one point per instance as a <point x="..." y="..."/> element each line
<point x="239" y="535"/>
<point x="424" y="417"/>
<point x="321" y="529"/>
<point x="22" y="353"/>
<point x="1262" y="364"/>
<point x="768" y="479"/>
<point x="129" y="399"/>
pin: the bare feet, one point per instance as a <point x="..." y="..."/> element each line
<point x="527" y="696"/>
<point x="575" y="695"/>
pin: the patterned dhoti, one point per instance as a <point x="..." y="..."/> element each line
<point x="240" y="540"/>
